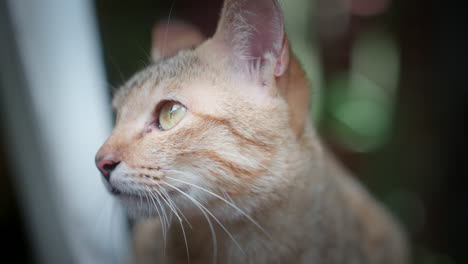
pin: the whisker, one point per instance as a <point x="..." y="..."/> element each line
<point x="168" y="204"/>
<point x="178" y="217"/>
<point x="211" y="214"/>
<point x="168" y="218"/>
<point x="226" y="194"/>
<point x="213" y="234"/>
<point x="214" y="217"/>
<point x="141" y="201"/>
<point x="149" y="208"/>
<point x="227" y="202"/>
<point x="174" y="209"/>
<point x="167" y="221"/>
<point x="167" y="26"/>
<point x="186" y="242"/>
<point x="177" y="208"/>
<point x="180" y="222"/>
<point x="164" y="226"/>
<point x="164" y="233"/>
<point x="163" y="192"/>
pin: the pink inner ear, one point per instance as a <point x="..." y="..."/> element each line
<point x="267" y="31"/>
<point x="251" y="29"/>
<point x="283" y="61"/>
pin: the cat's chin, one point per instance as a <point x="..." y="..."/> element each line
<point x="143" y="205"/>
<point x="192" y="204"/>
<point x="138" y="207"/>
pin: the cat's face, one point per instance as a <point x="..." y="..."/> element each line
<point x="203" y="126"/>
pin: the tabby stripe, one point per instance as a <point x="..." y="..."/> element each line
<point x="233" y="168"/>
<point x="234" y="131"/>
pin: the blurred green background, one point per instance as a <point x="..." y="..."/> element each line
<point x="388" y="99"/>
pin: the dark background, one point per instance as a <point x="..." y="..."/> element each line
<point x="417" y="172"/>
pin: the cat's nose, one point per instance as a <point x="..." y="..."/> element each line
<point x="106" y="165"/>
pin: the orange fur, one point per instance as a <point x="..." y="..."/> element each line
<point x="245" y="141"/>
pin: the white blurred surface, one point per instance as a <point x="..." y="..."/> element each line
<point x="59" y="52"/>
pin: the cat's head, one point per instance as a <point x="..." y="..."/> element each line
<point x="224" y="120"/>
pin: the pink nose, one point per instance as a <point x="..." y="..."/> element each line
<point x="106" y="166"/>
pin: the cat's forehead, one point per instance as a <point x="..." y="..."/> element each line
<point x="185" y="77"/>
<point x="172" y="70"/>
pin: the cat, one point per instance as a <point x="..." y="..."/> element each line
<point x="215" y="155"/>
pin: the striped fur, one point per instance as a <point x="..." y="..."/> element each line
<point x="243" y="178"/>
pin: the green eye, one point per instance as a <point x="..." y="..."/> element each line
<point x="170" y="115"/>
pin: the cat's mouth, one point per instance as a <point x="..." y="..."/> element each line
<point x="125" y="195"/>
<point x="130" y="195"/>
<point x="146" y="203"/>
<point x="115" y="191"/>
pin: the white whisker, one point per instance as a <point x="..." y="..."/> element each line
<point x="164" y="198"/>
<point x="226" y="195"/>
<point x="167" y="220"/>
<point x="174" y="205"/>
<point x="164" y="233"/>
<point x="141" y="201"/>
<point x="165" y="226"/>
<point x="167" y="26"/>
<point x="174" y="209"/>
<point x="211" y="214"/>
<point x="214" y="217"/>
<point x="213" y="234"/>
<point x="149" y="208"/>
<point x="186" y="242"/>
<point x="163" y="192"/>
<point x="227" y="202"/>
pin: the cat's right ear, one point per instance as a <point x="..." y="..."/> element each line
<point x="170" y="37"/>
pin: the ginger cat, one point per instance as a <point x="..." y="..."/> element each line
<point x="215" y="155"/>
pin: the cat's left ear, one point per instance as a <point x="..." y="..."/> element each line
<point x="253" y="34"/>
<point x="170" y="37"/>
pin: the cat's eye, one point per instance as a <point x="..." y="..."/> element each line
<point x="170" y="115"/>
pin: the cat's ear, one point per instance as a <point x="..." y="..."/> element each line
<point x="169" y="38"/>
<point x="253" y="34"/>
